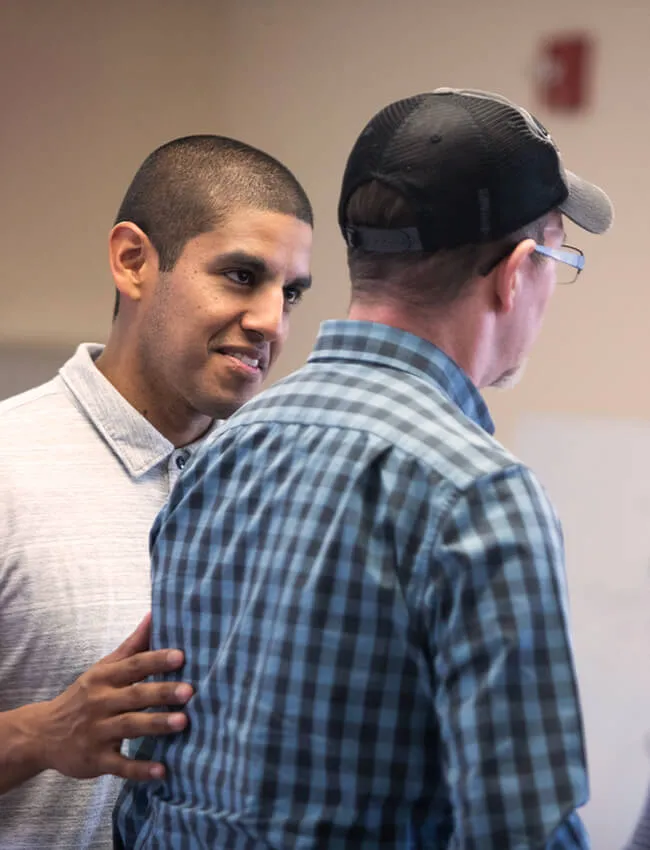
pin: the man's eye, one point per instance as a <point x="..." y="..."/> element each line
<point x="292" y="294"/>
<point x="242" y="276"/>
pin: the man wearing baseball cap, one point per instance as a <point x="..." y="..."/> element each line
<point x="368" y="588"/>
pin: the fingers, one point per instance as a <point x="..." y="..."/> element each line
<point x="147" y="695"/>
<point x="141" y="666"/>
<point x="137" y="641"/>
<point x="141" y="724"/>
<point x="137" y="771"/>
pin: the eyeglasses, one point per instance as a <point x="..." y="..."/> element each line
<point x="571" y="260"/>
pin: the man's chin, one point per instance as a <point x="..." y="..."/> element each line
<point x="220" y="397"/>
<point x="224" y="406"/>
<point x="509" y="379"/>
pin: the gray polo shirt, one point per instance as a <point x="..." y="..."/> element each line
<point x="82" y="477"/>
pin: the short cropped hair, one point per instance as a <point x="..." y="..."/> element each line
<point x="189" y="185"/>
<point x="419" y="279"/>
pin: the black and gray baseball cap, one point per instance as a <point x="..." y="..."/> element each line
<point x="473" y="167"/>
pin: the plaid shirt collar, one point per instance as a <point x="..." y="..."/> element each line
<point x="371" y="342"/>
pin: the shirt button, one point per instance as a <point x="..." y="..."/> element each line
<point x="181" y="460"/>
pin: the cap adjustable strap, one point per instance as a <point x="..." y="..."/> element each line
<point x="379" y="240"/>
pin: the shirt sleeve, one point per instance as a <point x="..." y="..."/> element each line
<point x="506" y="694"/>
<point x="641" y="837"/>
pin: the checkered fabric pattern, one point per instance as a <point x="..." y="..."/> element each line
<point x="369" y="591"/>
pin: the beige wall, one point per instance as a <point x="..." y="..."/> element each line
<point x="88" y="88"/>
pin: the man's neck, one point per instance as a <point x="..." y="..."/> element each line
<point x="170" y="417"/>
<point x="456" y="332"/>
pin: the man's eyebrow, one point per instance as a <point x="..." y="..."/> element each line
<point x="256" y="264"/>
<point x="241" y="258"/>
<point x="301" y="282"/>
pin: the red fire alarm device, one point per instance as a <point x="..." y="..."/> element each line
<point x="564" y="72"/>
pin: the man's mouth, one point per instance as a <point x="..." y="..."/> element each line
<point x="253" y="362"/>
<point x="248" y="358"/>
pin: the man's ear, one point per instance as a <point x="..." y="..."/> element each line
<point x="133" y="259"/>
<point x="507" y="275"/>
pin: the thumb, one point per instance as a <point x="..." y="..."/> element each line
<point x="137" y="641"/>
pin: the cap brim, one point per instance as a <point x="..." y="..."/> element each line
<point x="587" y="205"/>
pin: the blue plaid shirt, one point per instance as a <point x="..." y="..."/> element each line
<point x="369" y="592"/>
